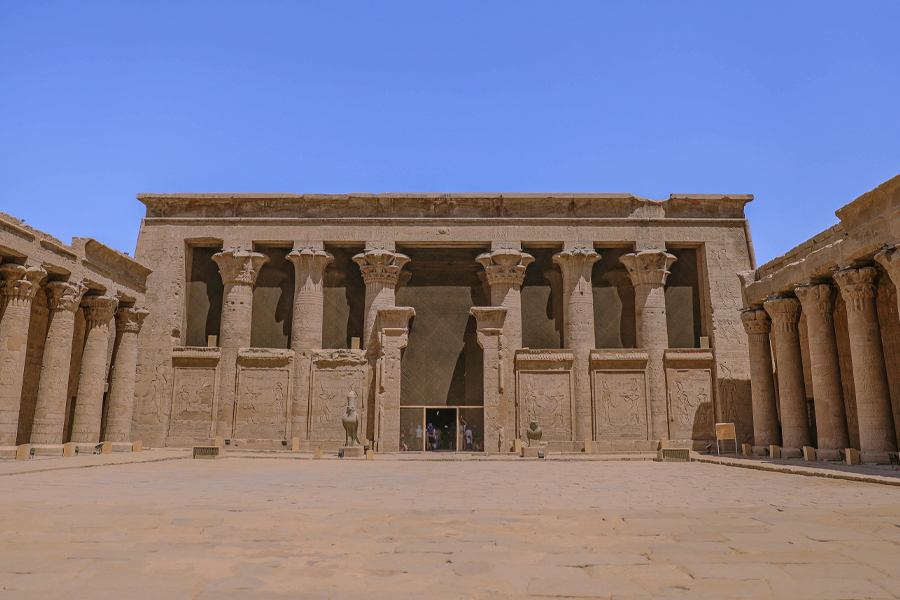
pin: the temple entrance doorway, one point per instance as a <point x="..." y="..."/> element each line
<point x="440" y="430"/>
<point x="458" y="429"/>
<point x="442" y="366"/>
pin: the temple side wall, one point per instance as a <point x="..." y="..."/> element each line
<point x="48" y="394"/>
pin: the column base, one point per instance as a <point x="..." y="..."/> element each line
<point x="878" y="458"/>
<point x="791" y="452"/>
<point x="826" y="454"/>
<point x="48" y="449"/>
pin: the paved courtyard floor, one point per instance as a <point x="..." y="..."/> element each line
<point x="246" y="528"/>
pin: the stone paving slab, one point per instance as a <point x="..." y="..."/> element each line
<point x="881" y="474"/>
<point x="54" y="463"/>
<point x="272" y="528"/>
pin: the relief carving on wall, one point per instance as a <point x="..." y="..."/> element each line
<point x="193" y="403"/>
<point x="546" y="397"/>
<point x="619" y="394"/>
<point x="691" y="414"/>
<point x="335" y="373"/>
<point x="262" y="409"/>
<point x="620" y="401"/>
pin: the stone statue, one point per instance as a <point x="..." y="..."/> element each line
<point x="534" y="434"/>
<point x="350" y="420"/>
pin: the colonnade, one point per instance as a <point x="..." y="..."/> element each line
<point x="505" y="274"/>
<point x="775" y="324"/>
<point x="19" y="286"/>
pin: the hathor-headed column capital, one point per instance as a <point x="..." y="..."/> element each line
<point x="648" y="266"/>
<point x="64" y="295"/>
<point x="817" y="297"/>
<point x="857" y="285"/>
<point x="130" y="320"/>
<point x="98" y="310"/>
<point x="313" y="260"/>
<point x="20" y="282"/>
<point x="505" y="266"/>
<point x="238" y="266"/>
<point x="380" y="265"/>
<point x="756" y="321"/>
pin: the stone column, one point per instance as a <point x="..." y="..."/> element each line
<point x="873" y="398"/>
<point x="648" y="270"/>
<point x="306" y="329"/>
<point x="889" y="258"/>
<point x="17" y="290"/>
<point x="766" y="431"/>
<point x="63" y="300"/>
<point x="239" y="269"/>
<point x="393" y="334"/>
<point x="831" y="419"/>
<point x="492" y="338"/>
<point x="578" y="328"/>
<point x="380" y="272"/>
<point x="505" y="272"/>
<point x="785" y="314"/>
<point x="121" y="384"/>
<point x="98" y="312"/>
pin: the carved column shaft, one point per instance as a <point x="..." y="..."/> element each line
<point x="98" y="311"/>
<point x="873" y="398"/>
<point x="393" y="335"/>
<point x="889" y="258"/>
<point x="121" y="385"/>
<point x="491" y="337"/>
<point x="578" y="329"/>
<point x="505" y="273"/>
<point x="306" y="329"/>
<point x="17" y="290"/>
<point x="309" y="269"/>
<point x="63" y="300"/>
<point x="239" y="270"/>
<point x="825" y="368"/>
<point x="766" y="431"/>
<point x="785" y="314"/>
<point x="648" y="270"/>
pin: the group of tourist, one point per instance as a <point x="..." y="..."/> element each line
<point x="433" y="438"/>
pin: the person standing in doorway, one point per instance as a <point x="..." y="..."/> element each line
<point x="429" y="432"/>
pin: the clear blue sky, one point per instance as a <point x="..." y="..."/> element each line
<point x="795" y="102"/>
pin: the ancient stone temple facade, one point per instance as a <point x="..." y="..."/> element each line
<point x="69" y="323"/>
<point x="604" y="317"/>
<point x="827" y="313"/>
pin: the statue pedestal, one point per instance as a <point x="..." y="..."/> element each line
<point x="532" y="451"/>
<point x="353" y="451"/>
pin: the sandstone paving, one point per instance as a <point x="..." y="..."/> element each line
<point x="274" y="528"/>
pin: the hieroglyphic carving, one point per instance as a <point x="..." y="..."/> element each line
<point x="335" y="373"/>
<point x="261" y="408"/>
<point x="620" y="402"/>
<point x="690" y="404"/>
<point x="546" y="397"/>
<point x="193" y="403"/>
